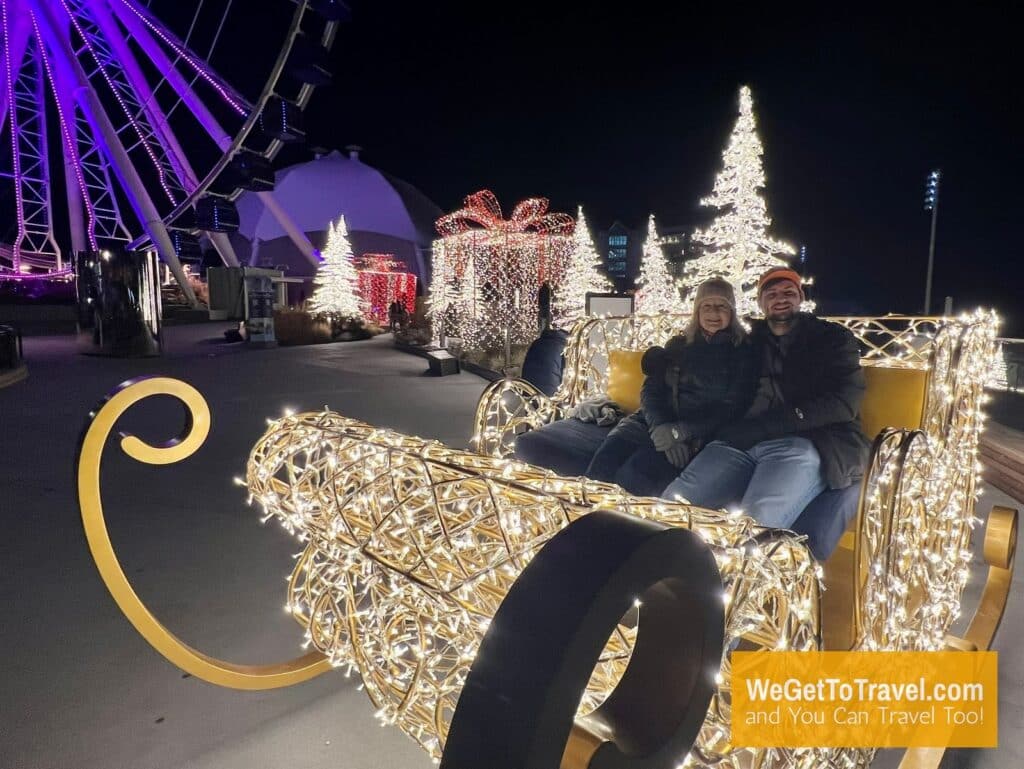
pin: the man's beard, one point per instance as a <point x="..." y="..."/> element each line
<point x="783" y="316"/>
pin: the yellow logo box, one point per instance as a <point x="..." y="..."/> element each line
<point x="864" y="699"/>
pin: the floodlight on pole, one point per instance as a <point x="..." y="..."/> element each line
<point x="931" y="203"/>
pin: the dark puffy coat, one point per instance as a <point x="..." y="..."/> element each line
<point x="823" y="386"/>
<point x="543" y="364"/>
<point x="703" y="384"/>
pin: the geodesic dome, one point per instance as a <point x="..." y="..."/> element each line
<point x="385" y="215"/>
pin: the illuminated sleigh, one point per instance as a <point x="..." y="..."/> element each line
<point x="424" y="568"/>
<point x="896" y="579"/>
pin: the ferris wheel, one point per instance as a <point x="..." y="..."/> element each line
<point x="136" y="124"/>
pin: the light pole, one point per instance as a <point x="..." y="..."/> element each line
<point x="931" y="203"/>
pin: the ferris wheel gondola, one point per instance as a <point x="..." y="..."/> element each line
<point x="153" y="144"/>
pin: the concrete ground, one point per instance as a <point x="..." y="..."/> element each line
<point x="82" y="690"/>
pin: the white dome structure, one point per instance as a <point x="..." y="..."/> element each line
<point x="383" y="214"/>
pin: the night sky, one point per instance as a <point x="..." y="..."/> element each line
<point x="627" y="113"/>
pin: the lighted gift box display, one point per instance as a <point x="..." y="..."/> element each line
<point x="381" y="283"/>
<point x="488" y="270"/>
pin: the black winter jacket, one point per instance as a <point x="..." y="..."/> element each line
<point x="822" y="385"/>
<point x="702" y="384"/>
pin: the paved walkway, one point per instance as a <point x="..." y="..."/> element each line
<point x="82" y="690"/>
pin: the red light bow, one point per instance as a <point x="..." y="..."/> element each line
<point x="482" y="209"/>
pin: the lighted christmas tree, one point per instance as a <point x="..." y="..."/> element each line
<point x="581" y="276"/>
<point x="737" y="245"/>
<point x="997" y="376"/>
<point x="656" y="292"/>
<point x="336" y="282"/>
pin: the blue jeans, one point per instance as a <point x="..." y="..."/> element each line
<point x="772" y="481"/>
<point x="628" y="458"/>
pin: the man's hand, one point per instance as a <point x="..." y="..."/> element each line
<point x="667" y="435"/>
<point x="679" y="455"/>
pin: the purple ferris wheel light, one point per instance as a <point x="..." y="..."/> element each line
<point x="200" y="69"/>
<point x="65" y="274"/>
<point x="75" y="53"/>
<point x="112" y="75"/>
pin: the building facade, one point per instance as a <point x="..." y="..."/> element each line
<point x="622" y="248"/>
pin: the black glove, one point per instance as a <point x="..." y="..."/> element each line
<point x="667" y="435"/>
<point x="679" y="455"/>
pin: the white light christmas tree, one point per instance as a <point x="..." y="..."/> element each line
<point x="737" y="246"/>
<point x="997" y="377"/>
<point x="582" y="275"/>
<point x="656" y="292"/>
<point x="336" y="282"/>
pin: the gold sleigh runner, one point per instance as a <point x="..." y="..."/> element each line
<point x="412" y="547"/>
<point x="90" y="454"/>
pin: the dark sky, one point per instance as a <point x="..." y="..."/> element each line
<point x="627" y="112"/>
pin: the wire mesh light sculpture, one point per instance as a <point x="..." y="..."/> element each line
<point x="488" y="270"/>
<point x="918" y="503"/>
<point x="411" y="547"/>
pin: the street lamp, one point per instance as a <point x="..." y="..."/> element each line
<point x="931" y="203"/>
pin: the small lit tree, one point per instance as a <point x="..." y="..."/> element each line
<point x="582" y="275"/>
<point x="656" y="292"/>
<point x="337" y="282"/>
<point x="736" y="246"/>
<point x="997" y="376"/>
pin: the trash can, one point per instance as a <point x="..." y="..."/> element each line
<point x="10" y="348"/>
<point x="259" y="316"/>
<point x="12" y="367"/>
<point x="119" y="307"/>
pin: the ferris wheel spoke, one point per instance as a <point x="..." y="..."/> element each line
<point x="113" y="71"/>
<point x="178" y="82"/>
<point x="213" y="128"/>
<point x="35" y="242"/>
<point x="81" y="213"/>
<point x="107" y="223"/>
<point x="169" y="143"/>
<point x="66" y="66"/>
<point x="15" y="40"/>
<point x="133" y="15"/>
<point x="197" y="107"/>
<point x="14" y="46"/>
